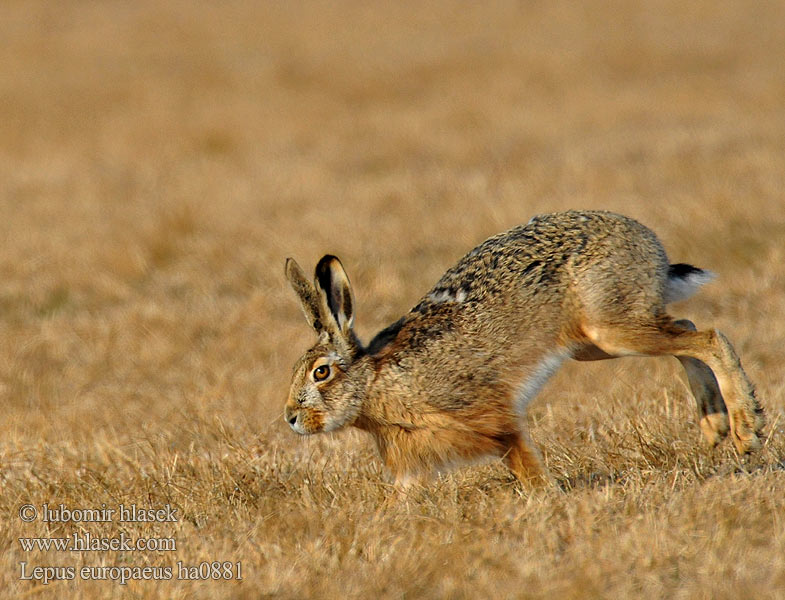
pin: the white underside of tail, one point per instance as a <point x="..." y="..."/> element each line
<point x="681" y="288"/>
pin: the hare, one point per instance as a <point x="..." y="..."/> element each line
<point x="450" y="381"/>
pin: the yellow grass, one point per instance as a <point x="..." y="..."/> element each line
<point x="160" y="160"/>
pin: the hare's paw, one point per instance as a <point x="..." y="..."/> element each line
<point x="715" y="427"/>
<point x="746" y="441"/>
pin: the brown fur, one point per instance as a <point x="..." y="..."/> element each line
<point x="449" y="382"/>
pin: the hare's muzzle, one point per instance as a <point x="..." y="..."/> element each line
<point x="292" y="417"/>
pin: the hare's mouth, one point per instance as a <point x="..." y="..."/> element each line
<point x="304" y="422"/>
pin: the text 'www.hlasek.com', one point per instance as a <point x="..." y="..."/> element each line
<point x="75" y="537"/>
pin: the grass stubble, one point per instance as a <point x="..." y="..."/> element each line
<point x="160" y="161"/>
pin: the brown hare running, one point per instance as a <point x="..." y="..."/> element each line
<point x="450" y="381"/>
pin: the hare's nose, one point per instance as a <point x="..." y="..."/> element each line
<point x="290" y="416"/>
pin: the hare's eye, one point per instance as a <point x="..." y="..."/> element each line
<point x="321" y="373"/>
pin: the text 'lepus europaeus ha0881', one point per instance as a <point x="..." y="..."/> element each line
<point x="450" y="381"/>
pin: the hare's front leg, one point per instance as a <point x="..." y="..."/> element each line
<point x="523" y="459"/>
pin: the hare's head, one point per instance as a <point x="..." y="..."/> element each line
<point x="323" y="396"/>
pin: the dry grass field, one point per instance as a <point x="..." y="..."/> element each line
<point x="158" y="162"/>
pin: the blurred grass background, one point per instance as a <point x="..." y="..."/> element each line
<point x="158" y="161"/>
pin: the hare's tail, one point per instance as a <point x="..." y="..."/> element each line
<point x="684" y="280"/>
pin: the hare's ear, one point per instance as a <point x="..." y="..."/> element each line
<point x="334" y="284"/>
<point x="306" y="292"/>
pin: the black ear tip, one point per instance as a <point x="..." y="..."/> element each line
<point x="326" y="261"/>
<point x="325" y="267"/>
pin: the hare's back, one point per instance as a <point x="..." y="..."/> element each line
<point x="550" y="252"/>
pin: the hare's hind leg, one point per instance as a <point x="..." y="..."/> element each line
<point x="703" y="384"/>
<point x="712" y="348"/>
<point x="711" y="407"/>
